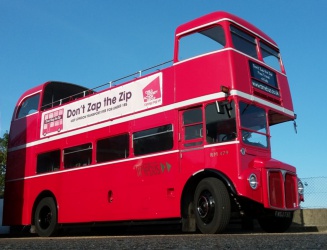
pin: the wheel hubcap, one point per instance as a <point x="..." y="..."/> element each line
<point x="45" y="217"/>
<point x="206" y="206"/>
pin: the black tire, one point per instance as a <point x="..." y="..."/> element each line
<point x="272" y="224"/>
<point x="212" y="206"/>
<point x="45" y="218"/>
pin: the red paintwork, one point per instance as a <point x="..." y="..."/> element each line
<point x="135" y="189"/>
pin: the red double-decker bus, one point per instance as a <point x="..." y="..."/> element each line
<point x="188" y="143"/>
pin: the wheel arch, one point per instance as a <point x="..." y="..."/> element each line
<point x="43" y="194"/>
<point x="187" y="213"/>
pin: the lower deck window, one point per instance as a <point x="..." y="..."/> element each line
<point x="193" y="127"/>
<point x="254" y="125"/>
<point x="153" y="140"/>
<point x="220" y="122"/>
<point x="113" y="148"/>
<point x="78" y="156"/>
<point x="48" y="162"/>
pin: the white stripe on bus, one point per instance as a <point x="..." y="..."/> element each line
<point x="152" y="112"/>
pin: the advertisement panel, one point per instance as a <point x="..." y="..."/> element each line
<point x="138" y="95"/>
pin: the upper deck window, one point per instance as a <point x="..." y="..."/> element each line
<point x="270" y="56"/>
<point x="201" y="42"/>
<point x="29" y="106"/>
<point x="58" y="93"/>
<point x="244" y="42"/>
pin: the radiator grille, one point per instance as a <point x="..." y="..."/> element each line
<point x="291" y="193"/>
<point x="282" y="189"/>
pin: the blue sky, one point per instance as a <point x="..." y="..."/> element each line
<point x="94" y="42"/>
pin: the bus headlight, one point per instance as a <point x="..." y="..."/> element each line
<point x="253" y="181"/>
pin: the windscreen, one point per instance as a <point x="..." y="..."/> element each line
<point x="253" y="125"/>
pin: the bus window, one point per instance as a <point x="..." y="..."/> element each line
<point x="244" y="42"/>
<point x="193" y="127"/>
<point x="48" y="162"/>
<point x="153" y="140"/>
<point x="220" y="122"/>
<point x="78" y="156"/>
<point x="270" y="56"/>
<point x="201" y="42"/>
<point x="113" y="148"/>
<point x="254" y="125"/>
<point x="58" y="93"/>
<point x="29" y="106"/>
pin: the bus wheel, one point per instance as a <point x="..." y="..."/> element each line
<point x="211" y="206"/>
<point x="45" y="217"/>
<point x="272" y="224"/>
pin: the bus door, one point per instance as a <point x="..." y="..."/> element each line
<point x="191" y="139"/>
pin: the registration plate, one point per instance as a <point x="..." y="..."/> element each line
<point x="282" y="214"/>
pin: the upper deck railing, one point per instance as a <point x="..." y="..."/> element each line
<point x="109" y="84"/>
<point x="138" y="74"/>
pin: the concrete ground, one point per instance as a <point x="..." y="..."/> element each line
<point x="305" y="220"/>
